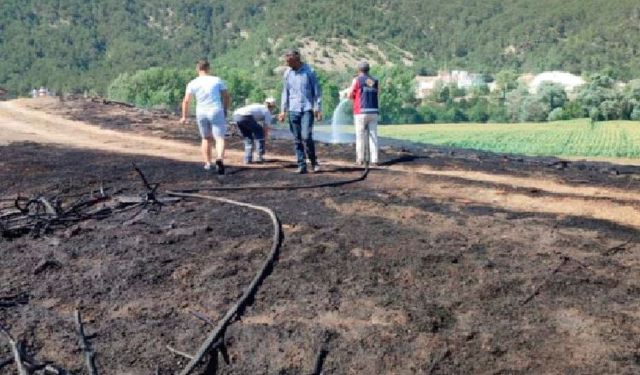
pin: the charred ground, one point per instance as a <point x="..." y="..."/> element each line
<point x="392" y="277"/>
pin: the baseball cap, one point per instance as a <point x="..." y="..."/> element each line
<point x="270" y="100"/>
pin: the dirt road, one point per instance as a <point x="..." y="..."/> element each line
<point x="21" y="123"/>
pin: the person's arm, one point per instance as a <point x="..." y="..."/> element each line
<point x="185" y="107"/>
<point x="317" y="93"/>
<point x="226" y="101"/>
<point x="268" y="121"/>
<point x="268" y="118"/>
<point x="284" y="100"/>
<point x="353" y="88"/>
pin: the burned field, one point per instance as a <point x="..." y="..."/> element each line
<point x="401" y="273"/>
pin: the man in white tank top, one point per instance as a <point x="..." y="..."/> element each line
<point x="212" y="103"/>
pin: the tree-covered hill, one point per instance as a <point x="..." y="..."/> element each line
<point x="83" y="45"/>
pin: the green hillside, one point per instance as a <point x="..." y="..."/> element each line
<point x="76" y="45"/>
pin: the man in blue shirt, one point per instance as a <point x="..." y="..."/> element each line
<point x="301" y="102"/>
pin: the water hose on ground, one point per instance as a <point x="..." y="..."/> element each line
<point x="362" y="177"/>
<point x="247" y="296"/>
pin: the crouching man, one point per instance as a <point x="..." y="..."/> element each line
<point x="248" y="119"/>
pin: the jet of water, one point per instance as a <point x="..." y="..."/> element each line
<point x="342" y="115"/>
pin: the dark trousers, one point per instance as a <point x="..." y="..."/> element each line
<point x="301" y="126"/>
<point x="251" y="131"/>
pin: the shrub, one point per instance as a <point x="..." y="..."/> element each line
<point x="429" y="114"/>
<point x="153" y="87"/>
<point x="478" y="113"/>
<point x="534" y="109"/>
<point x="558" y="114"/>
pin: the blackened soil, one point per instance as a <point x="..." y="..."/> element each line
<point x="390" y="279"/>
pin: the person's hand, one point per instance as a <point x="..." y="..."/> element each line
<point x="318" y="116"/>
<point x="281" y="116"/>
<point x="183" y="120"/>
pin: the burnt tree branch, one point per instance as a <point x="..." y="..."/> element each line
<point x="84" y="344"/>
<point x="17" y="354"/>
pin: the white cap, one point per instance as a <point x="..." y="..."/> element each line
<point x="270" y="101"/>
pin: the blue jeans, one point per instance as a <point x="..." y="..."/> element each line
<point x="301" y="126"/>
<point x="250" y="130"/>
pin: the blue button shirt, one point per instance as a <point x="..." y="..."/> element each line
<point x="301" y="91"/>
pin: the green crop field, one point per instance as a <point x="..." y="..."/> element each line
<point x="565" y="138"/>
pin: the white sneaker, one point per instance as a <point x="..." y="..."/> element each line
<point x="207" y="166"/>
<point x="316" y="168"/>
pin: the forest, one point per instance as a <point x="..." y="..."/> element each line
<point x="74" y="46"/>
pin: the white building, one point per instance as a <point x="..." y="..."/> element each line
<point x="461" y="78"/>
<point x="464" y="79"/>
<point x="424" y="85"/>
<point x="569" y="81"/>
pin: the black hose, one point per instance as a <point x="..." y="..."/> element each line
<point x="362" y="177"/>
<point x="247" y="296"/>
<point x="238" y="308"/>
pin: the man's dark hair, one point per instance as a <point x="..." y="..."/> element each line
<point x="292" y="51"/>
<point x="363" y="66"/>
<point x="203" y="65"/>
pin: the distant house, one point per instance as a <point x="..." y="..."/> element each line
<point x="461" y="78"/>
<point x="526" y="79"/>
<point x="424" y="85"/>
<point x="464" y="79"/>
<point x="569" y="81"/>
